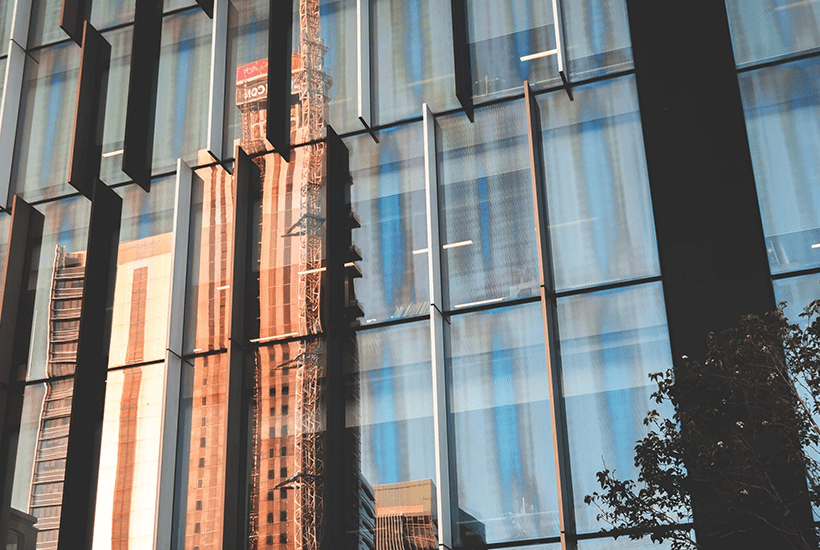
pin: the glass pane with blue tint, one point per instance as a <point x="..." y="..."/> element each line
<point x="338" y="27"/>
<point x="596" y="37"/>
<point x="622" y="543"/>
<point x="610" y="342"/>
<point x="797" y="292"/>
<point x="183" y="90"/>
<point x="782" y="106"/>
<point x="390" y="405"/>
<point x="128" y="481"/>
<point x="764" y="30"/>
<point x="6" y="12"/>
<point x="500" y="415"/>
<point x="59" y="290"/>
<point x="119" y="12"/>
<point x="41" y="452"/>
<point x="500" y="35"/>
<point x="600" y="213"/>
<point x="412" y="63"/>
<point x="46" y="123"/>
<point x="44" y="26"/>
<point x="487" y="224"/>
<point x="116" y="105"/>
<point x="388" y="196"/>
<point x="139" y="324"/>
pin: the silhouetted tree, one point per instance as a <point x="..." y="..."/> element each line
<point x="751" y="407"/>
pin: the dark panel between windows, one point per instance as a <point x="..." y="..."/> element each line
<point x="142" y="92"/>
<point x="279" y="76"/>
<point x="74" y="14"/>
<point x="461" y="56"/>
<point x="89" y="114"/>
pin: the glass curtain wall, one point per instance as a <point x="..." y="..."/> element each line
<point x="776" y="47"/>
<point x="611" y="322"/>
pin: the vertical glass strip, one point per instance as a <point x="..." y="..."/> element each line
<point x="14" y="66"/>
<point x="440" y="421"/>
<point x="219" y="52"/>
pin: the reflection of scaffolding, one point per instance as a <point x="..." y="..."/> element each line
<point x="45" y="501"/>
<point x="311" y="83"/>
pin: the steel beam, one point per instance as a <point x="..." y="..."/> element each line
<point x="563" y="478"/>
<point x="172" y="384"/>
<point x="441" y="429"/>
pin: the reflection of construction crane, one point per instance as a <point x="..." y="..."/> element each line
<point x="306" y="235"/>
<point x="312" y="84"/>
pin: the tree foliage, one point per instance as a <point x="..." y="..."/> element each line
<point x="750" y="407"/>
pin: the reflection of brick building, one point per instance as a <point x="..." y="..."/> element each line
<point x="129" y="463"/>
<point x="46" y="495"/>
<point x="206" y="466"/>
<point x="406" y="516"/>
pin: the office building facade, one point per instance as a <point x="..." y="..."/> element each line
<point x="392" y="273"/>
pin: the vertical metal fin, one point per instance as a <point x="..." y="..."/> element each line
<point x="280" y="51"/>
<point x="461" y="57"/>
<point x="89" y="114"/>
<point x="563" y="479"/>
<point x="16" y="313"/>
<point x="85" y="432"/>
<point x="142" y="92"/>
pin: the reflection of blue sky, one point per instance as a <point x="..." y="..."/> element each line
<point x="501" y="422"/>
<point x="55" y="98"/>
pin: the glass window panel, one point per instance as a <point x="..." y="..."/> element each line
<point x="139" y="324"/>
<point x="2" y="75"/>
<point x="411" y="60"/>
<point x="207" y="292"/>
<point x="275" y="458"/>
<point x="485" y="198"/>
<point x="5" y="228"/>
<point x="41" y="453"/>
<point x="782" y="108"/>
<point x="46" y="123"/>
<point x="388" y="195"/>
<point x="338" y="33"/>
<point x="118" y="12"/>
<point x="600" y="213"/>
<point x="394" y="409"/>
<point x="116" y="105"/>
<point x="500" y="413"/>
<point x="798" y="292"/>
<point x="6" y="11"/>
<point x="183" y="89"/>
<point x="128" y="479"/>
<point x="610" y="342"/>
<point x="245" y="114"/>
<point x="622" y="543"/>
<point x="59" y="289"/>
<point x="247" y="44"/>
<point x="596" y="36"/>
<point x="770" y="29"/>
<point x="500" y="33"/>
<point x="279" y="263"/>
<point x="44" y="27"/>
<point x="201" y="453"/>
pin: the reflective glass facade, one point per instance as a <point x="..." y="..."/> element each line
<point x="489" y="332"/>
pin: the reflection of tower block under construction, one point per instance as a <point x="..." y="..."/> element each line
<point x="45" y="499"/>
